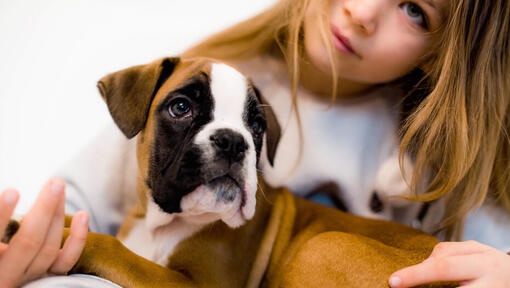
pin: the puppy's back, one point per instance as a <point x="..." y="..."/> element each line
<point x="330" y="248"/>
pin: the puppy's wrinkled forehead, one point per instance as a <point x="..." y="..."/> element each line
<point x="232" y="86"/>
<point x="215" y="78"/>
<point x="216" y="91"/>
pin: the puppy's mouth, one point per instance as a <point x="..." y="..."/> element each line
<point x="227" y="189"/>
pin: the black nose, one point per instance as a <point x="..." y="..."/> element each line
<point x="229" y="144"/>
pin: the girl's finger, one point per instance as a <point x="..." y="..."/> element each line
<point x="8" y="201"/>
<point x="28" y="240"/>
<point x="73" y="246"/>
<point x="445" y="249"/>
<point x="51" y="246"/>
<point x="453" y="268"/>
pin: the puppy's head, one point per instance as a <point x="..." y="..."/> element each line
<point x="200" y="127"/>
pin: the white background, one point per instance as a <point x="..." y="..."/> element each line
<point x="52" y="52"/>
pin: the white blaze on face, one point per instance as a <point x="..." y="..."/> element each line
<point x="229" y="90"/>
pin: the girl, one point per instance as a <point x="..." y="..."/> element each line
<point x="443" y="63"/>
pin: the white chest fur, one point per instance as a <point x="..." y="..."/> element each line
<point x="156" y="236"/>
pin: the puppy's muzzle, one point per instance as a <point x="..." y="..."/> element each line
<point x="229" y="145"/>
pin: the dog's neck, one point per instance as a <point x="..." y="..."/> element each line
<point x="152" y="233"/>
<point x="155" y="218"/>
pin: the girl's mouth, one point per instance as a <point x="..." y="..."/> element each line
<point x="342" y="43"/>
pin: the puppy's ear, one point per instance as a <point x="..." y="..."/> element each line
<point x="128" y="93"/>
<point x="273" y="130"/>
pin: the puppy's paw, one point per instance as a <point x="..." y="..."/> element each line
<point x="11" y="229"/>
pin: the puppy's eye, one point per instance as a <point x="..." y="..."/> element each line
<point x="180" y="108"/>
<point x="258" y="126"/>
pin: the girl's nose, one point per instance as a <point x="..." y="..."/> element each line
<point x="363" y="14"/>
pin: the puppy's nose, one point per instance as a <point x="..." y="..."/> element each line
<point x="229" y="144"/>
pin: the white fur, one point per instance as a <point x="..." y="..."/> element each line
<point x="389" y="183"/>
<point x="156" y="236"/>
<point x="229" y="89"/>
<point x="203" y="207"/>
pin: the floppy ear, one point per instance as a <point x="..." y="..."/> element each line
<point x="273" y="130"/>
<point x="128" y="93"/>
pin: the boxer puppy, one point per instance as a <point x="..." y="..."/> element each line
<point x="198" y="148"/>
<point x="202" y="218"/>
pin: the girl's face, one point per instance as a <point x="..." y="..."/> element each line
<point x="373" y="41"/>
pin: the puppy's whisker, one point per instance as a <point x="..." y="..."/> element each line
<point x="262" y="192"/>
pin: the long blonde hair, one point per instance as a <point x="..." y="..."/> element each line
<point x="458" y="134"/>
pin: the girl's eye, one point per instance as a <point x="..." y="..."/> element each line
<point x="414" y="13"/>
<point x="180" y="108"/>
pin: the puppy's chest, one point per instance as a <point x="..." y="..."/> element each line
<point x="157" y="245"/>
<point x="212" y="253"/>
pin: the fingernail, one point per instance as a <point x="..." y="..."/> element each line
<point x="85" y="219"/>
<point x="10" y="196"/>
<point x="395" y="281"/>
<point x="56" y="187"/>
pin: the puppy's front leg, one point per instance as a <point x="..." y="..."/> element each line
<point x="106" y="257"/>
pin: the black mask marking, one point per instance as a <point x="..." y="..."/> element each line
<point x="175" y="162"/>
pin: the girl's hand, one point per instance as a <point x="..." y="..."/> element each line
<point x="34" y="251"/>
<point x="471" y="263"/>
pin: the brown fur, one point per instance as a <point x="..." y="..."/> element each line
<point x="290" y="242"/>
